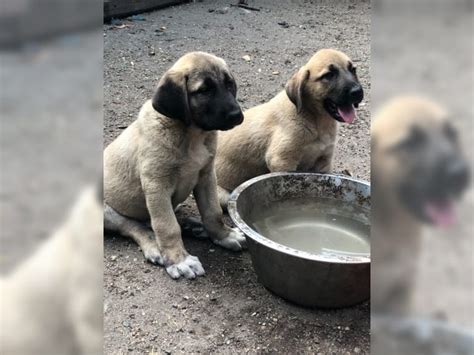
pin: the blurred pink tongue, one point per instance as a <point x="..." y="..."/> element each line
<point x="347" y="113"/>
<point x="441" y="214"/>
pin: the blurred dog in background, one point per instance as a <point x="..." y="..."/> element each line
<point x="418" y="174"/>
<point x="52" y="303"/>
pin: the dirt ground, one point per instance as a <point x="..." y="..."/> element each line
<point x="227" y="311"/>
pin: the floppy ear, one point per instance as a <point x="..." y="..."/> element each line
<point x="294" y="88"/>
<point x="171" y="97"/>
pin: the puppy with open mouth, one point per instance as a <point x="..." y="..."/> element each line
<point x="419" y="173"/>
<point x="296" y="130"/>
<point x="166" y="154"/>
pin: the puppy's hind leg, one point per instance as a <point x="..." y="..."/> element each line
<point x="131" y="228"/>
<point x="223" y="196"/>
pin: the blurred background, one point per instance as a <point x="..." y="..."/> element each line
<point x="50" y="151"/>
<point x="51" y="110"/>
<point x="425" y="48"/>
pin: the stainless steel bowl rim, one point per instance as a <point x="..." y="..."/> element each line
<point x="257" y="237"/>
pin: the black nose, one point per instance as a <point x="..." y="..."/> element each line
<point x="457" y="173"/>
<point x="356" y="93"/>
<point x="236" y="116"/>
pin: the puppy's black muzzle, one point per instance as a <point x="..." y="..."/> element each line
<point x="235" y="117"/>
<point x="356" y="94"/>
<point x="232" y="119"/>
<point x="452" y="177"/>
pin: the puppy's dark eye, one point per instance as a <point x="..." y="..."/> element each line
<point x="415" y="140"/>
<point x="352" y="69"/>
<point x="229" y="84"/>
<point x="330" y="75"/>
<point x="205" y="88"/>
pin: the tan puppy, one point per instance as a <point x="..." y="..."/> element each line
<point x="418" y="171"/>
<point x="166" y="154"/>
<point x="296" y="130"/>
<point x="52" y="303"/>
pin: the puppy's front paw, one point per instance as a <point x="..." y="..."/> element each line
<point x="190" y="267"/>
<point x="152" y="254"/>
<point x="235" y="240"/>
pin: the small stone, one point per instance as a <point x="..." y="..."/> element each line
<point x="222" y="11"/>
<point x="113" y="257"/>
<point x="186" y="298"/>
<point x="275" y="72"/>
<point x="357" y="350"/>
<point x="246" y="58"/>
<point x="284" y="24"/>
<point x="151" y="52"/>
<point x="347" y="328"/>
<point x="348" y="173"/>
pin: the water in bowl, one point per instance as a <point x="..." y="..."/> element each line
<point x="323" y="226"/>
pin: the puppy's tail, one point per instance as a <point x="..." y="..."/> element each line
<point x="223" y="197"/>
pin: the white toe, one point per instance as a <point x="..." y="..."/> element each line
<point x="190" y="267"/>
<point x="173" y="272"/>
<point x="153" y="256"/>
<point x="234" y="241"/>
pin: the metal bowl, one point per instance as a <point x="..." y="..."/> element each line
<point x="329" y="281"/>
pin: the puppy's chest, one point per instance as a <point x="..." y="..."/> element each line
<point x="195" y="158"/>
<point x="323" y="143"/>
<point x="192" y="161"/>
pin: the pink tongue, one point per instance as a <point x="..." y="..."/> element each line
<point x="347" y="113"/>
<point x="441" y="214"/>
